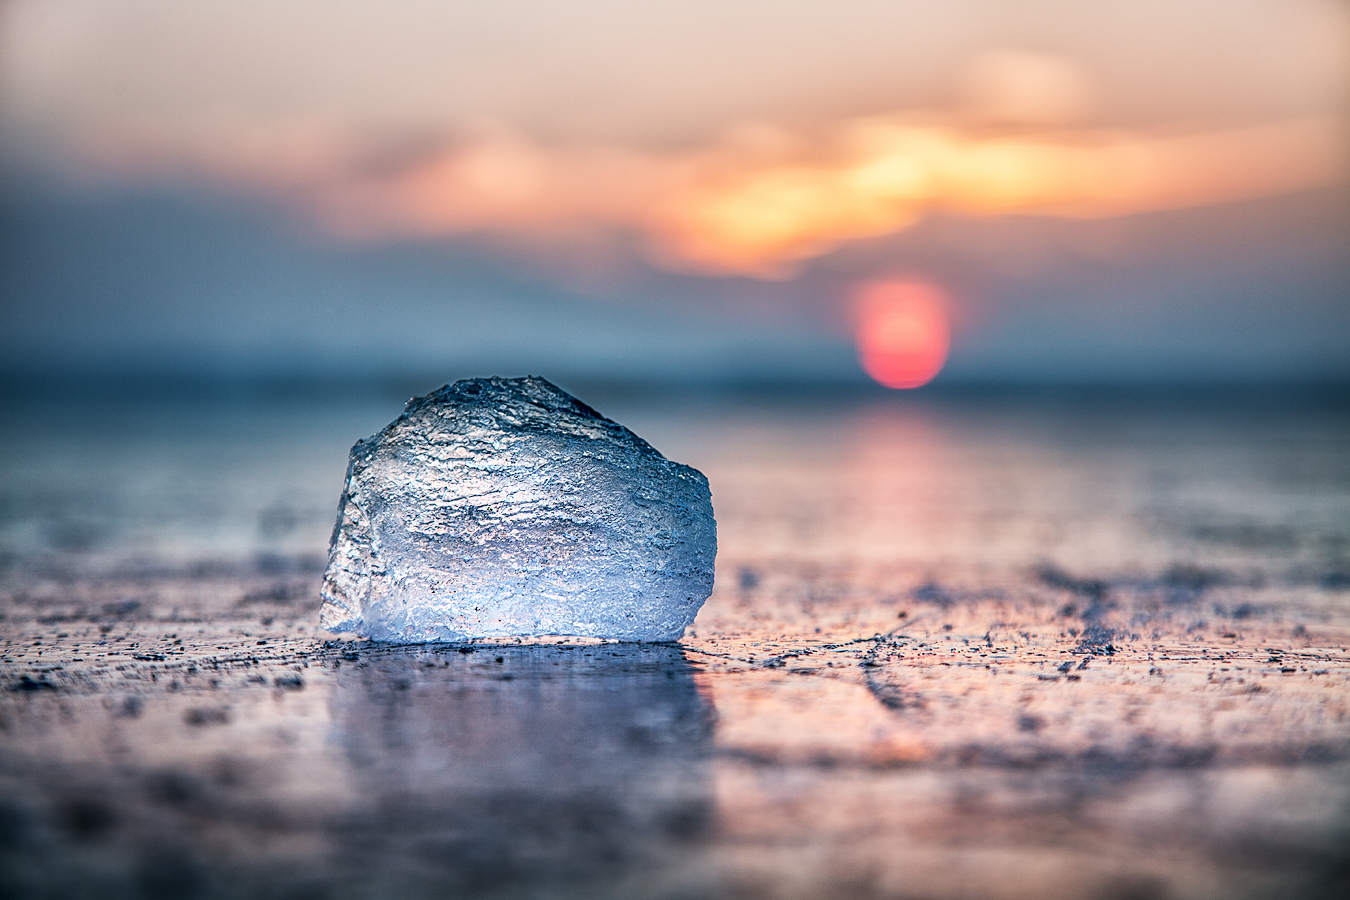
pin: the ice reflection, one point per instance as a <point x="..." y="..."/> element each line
<point x="577" y="770"/>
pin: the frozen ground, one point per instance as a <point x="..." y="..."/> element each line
<point x="971" y="647"/>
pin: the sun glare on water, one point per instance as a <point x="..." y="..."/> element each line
<point x="903" y="334"/>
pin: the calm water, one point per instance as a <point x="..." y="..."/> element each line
<point x="977" y="646"/>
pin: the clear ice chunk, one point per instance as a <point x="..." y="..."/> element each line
<point x="499" y="507"/>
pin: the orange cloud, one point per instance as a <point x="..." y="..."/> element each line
<point x="878" y="176"/>
<point x="761" y="202"/>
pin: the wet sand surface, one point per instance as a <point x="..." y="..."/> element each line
<point x="978" y="647"/>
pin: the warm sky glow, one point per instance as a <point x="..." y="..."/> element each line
<point x="902" y="334"/>
<point x="723" y="155"/>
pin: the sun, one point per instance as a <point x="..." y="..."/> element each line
<point x="903" y="334"/>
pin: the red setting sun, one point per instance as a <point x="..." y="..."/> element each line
<point x="902" y="332"/>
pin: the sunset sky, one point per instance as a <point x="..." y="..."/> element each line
<point x="692" y="191"/>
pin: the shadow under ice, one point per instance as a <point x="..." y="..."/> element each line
<point x="507" y="770"/>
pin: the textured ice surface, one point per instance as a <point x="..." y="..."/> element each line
<point x="505" y="506"/>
